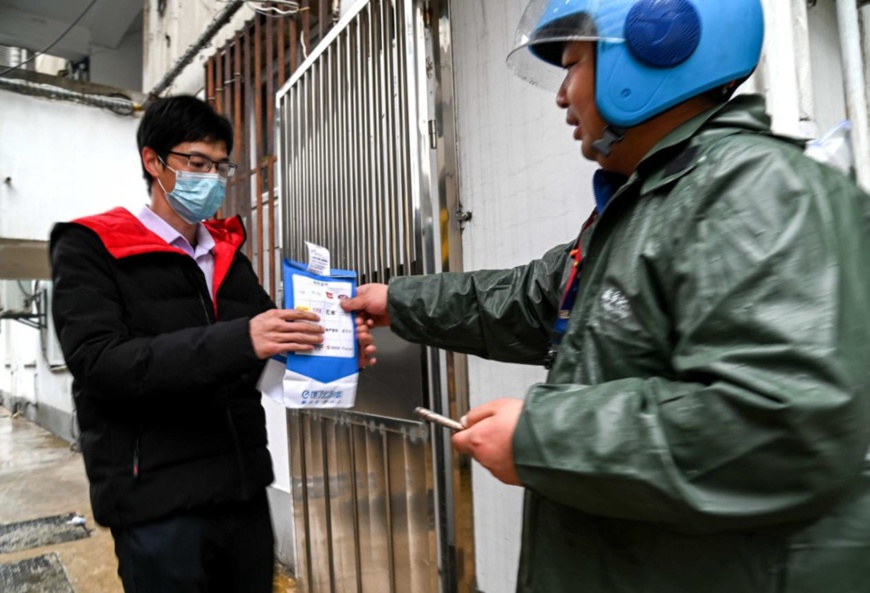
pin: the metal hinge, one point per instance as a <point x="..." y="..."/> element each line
<point x="433" y="134"/>
<point x="463" y="216"/>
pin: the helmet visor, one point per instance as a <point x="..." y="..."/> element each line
<point x="547" y="25"/>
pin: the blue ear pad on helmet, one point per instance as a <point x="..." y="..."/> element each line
<point x="675" y="50"/>
<point x="663" y="33"/>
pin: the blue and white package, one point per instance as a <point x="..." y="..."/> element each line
<point x="327" y="376"/>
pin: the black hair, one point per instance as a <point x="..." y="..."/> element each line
<point x="551" y="51"/>
<point x="170" y="121"/>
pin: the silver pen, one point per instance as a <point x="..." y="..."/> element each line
<point x="438" y="419"/>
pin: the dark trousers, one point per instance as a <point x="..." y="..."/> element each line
<point x="225" y="549"/>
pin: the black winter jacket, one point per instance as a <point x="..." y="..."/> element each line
<point x="164" y="376"/>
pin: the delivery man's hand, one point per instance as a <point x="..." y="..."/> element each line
<point x="367" y="347"/>
<point x="489" y="437"/>
<point x="370" y="303"/>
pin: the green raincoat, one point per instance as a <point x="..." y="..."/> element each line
<point x="705" y="427"/>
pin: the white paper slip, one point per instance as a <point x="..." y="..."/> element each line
<point x="318" y="259"/>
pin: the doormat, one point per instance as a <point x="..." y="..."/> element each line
<point x="42" y="574"/>
<point x="15" y="537"/>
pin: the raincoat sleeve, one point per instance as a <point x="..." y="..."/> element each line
<point x="101" y="353"/>
<point x="504" y="315"/>
<point x="768" y="421"/>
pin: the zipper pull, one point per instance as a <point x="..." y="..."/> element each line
<point x="136" y="447"/>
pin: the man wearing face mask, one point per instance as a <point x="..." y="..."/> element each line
<point x="165" y="328"/>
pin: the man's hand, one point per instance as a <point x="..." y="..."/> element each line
<point x="284" y="330"/>
<point x="370" y="303"/>
<point x="489" y="436"/>
<point x="366" y="344"/>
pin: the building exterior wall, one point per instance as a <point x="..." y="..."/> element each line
<point x="63" y="161"/>
<point x="168" y="35"/>
<point x="30" y="385"/>
<point x="121" y="66"/>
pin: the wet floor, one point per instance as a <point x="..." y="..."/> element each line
<point x="41" y="477"/>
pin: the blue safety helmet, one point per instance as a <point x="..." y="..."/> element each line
<point x="652" y="54"/>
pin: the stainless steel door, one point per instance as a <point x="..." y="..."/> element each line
<point x="374" y="490"/>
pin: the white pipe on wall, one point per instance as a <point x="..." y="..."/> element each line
<point x="803" y="69"/>
<point x="856" y="92"/>
<point x="779" y="75"/>
<point x="865" y="36"/>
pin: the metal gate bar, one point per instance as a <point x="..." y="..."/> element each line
<point x="348" y="183"/>
<point x="364" y="505"/>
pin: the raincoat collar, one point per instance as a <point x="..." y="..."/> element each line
<point x="671" y="158"/>
<point x="674" y="156"/>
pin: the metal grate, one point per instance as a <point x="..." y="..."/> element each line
<point x="41" y="532"/>
<point x="348" y="147"/>
<point x="42" y="574"/>
<point x="363" y="505"/>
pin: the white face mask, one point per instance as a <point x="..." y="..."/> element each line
<point x="196" y="196"/>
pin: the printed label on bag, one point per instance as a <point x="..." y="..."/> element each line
<point x="323" y="298"/>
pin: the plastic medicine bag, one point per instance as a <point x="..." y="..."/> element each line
<point x="327" y="376"/>
<point x="835" y="149"/>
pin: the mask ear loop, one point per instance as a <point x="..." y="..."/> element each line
<point x="157" y="179"/>
<point x="612" y="135"/>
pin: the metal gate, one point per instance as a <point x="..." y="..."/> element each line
<point x="374" y="490"/>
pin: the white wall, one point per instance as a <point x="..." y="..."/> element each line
<point x="42" y="391"/>
<point x="525" y="181"/>
<point x="65" y="160"/>
<point x="19" y="348"/>
<point x="827" y="73"/>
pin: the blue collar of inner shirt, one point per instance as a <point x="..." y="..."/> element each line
<point x="605" y="184"/>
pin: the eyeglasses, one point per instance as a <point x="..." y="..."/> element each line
<point x="202" y="164"/>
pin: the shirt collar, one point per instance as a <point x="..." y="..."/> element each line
<point x="204" y="241"/>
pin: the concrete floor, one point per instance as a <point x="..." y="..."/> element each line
<point x="39" y="477"/>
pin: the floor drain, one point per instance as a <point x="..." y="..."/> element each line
<point x="41" y="532"/>
<point x="42" y="574"/>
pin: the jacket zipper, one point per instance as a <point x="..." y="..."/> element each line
<point x="232" y="425"/>
<point x="136" y="451"/>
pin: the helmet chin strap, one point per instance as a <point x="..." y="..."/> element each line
<point x="612" y="135"/>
